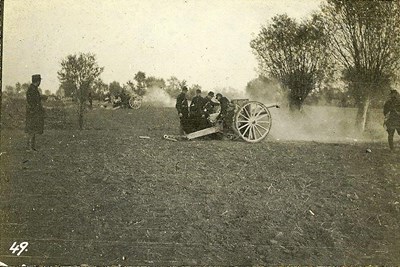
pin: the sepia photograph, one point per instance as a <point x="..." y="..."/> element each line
<point x="199" y="133"/>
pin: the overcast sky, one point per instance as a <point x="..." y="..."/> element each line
<point x="203" y="42"/>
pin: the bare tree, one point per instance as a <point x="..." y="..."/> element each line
<point x="365" y="41"/>
<point x="294" y="54"/>
<point x="80" y="71"/>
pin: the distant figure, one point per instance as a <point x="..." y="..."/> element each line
<point x="391" y="110"/>
<point x="34" y="112"/>
<point x="183" y="110"/>
<point x="195" y="110"/>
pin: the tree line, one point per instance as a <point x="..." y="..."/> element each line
<point x="356" y="43"/>
<point x="347" y="53"/>
<point x="80" y="74"/>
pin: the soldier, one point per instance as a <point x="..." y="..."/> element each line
<point x="391" y="110"/>
<point x="195" y="110"/>
<point x="209" y="104"/>
<point x="224" y="102"/>
<point x="183" y="110"/>
<point x="34" y="112"/>
<point x="206" y="110"/>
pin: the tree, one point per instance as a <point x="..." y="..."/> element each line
<point x="264" y="88"/>
<point x="140" y="78"/>
<point x="24" y="88"/>
<point x="153" y="82"/>
<point x="294" y="54"/>
<point x="365" y="38"/>
<point x="99" y="89"/>
<point x="138" y="85"/>
<point x="10" y="90"/>
<point x="79" y="72"/>
<point x="69" y="90"/>
<point x="18" y="88"/>
<point x="60" y="92"/>
<point x="174" y="86"/>
<point x="115" y="88"/>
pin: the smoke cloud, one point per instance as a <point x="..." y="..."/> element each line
<point x="325" y="124"/>
<point x="156" y="96"/>
<point x="313" y="123"/>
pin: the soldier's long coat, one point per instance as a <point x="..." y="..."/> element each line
<point x="34" y="111"/>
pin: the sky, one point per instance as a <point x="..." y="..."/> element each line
<point x="202" y="42"/>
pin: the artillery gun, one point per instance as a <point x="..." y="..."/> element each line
<point x="248" y="120"/>
<point x="130" y="100"/>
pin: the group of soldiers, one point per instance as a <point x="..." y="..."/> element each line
<point x="198" y="115"/>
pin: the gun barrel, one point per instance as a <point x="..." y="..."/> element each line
<point x="272" y="106"/>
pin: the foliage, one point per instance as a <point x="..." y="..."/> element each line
<point x="138" y="85"/>
<point x="294" y="54"/>
<point x="153" y="82"/>
<point x="264" y="88"/>
<point x="69" y="90"/>
<point x="365" y="38"/>
<point x="78" y="73"/>
<point x="365" y="41"/>
<point x="115" y="88"/>
<point x="17" y="91"/>
<point x="99" y="89"/>
<point x="174" y="86"/>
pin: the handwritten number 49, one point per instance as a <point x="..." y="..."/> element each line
<point x="18" y="248"/>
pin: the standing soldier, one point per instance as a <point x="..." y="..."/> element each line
<point x="391" y="110"/>
<point x="183" y="110"/>
<point x="34" y="112"/>
<point x="224" y="105"/>
<point x="195" y="110"/>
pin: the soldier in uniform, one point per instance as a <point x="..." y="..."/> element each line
<point x="34" y="112"/>
<point x="224" y="102"/>
<point x="227" y="111"/>
<point x="206" y="110"/>
<point x="183" y="111"/>
<point x="195" y="110"/>
<point x="391" y="110"/>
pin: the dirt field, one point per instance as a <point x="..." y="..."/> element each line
<point x="103" y="196"/>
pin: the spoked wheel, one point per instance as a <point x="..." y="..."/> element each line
<point x="253" y="121"/>
<point x="135" y="102"/>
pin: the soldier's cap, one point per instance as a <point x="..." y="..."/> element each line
<point x="198" y="91"/>
<point x="184" y="88"/>
<point x="36" y="77"/>
<point x="218" y="95"/>
<point x="211" y="93"/>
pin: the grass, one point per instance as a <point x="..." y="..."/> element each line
<point x="103" y="196"/>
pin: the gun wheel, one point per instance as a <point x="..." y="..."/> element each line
<point x="253" y="122"/>
<point x="135" y="102"/>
